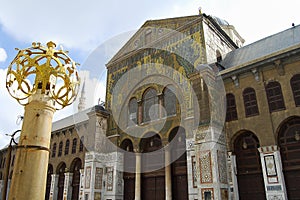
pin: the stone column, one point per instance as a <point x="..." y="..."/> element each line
<point x="68" y="186"/>
<point x="212" y="155"/>
<point x="168" y="175"/>
<point x="81" y="185"/>
<point x="138" y="176"/>
<point x="53" y="188"/>
<point x="140" y="112"/>
<point x="272" y="172"/>
<point x="234" y="193"/>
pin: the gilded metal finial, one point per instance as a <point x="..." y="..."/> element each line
<point x="43" y="70"/>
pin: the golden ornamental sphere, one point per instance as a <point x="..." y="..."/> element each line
<point x="43" y="70"/>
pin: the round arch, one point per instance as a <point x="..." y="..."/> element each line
<point x="237" y="135"/>
<point x="127" y="145"/>
<point x="76" y="164"/>
<point x="289" y="145"/>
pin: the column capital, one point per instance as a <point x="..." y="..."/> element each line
<point x="268" y="149"/>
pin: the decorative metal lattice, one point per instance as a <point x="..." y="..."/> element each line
<point x="43" y="70"/>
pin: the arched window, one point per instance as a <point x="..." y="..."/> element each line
<point x="67" y="147"/>
<point x="60" y="146"/>
<point x="54" y="150"/>
<point x="74" y="145"/>
<point x="170" y="101"/>
<point x="295" y="84"/>
<point x="274" y="95"/>
<point x="13" y="161"/>
<point x="219" y="56"/>
<point x="150" y="103"/>
<point x="231" y="113"/>
<point x="3" y="164"/>
<point x="250" y="102"/>
<point x="133" y="110"/>
<point x="81" y="144"/>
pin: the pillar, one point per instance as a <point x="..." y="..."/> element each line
<point x="53" y="188"/>
<point x="68" y="186"/>
<point x="272" y="172"/>
<point x="138" y="177"/>
<point x="168" y="175"/>
<point x="8" y="187"/>
<point x="81" y="185"/>
<point x="33" y="150"/>
<point x="212" y="156"/>
<point x="231" y="160"/>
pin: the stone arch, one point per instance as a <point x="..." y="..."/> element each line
<point x="150" y="142"/>
<point x="238" y="134"/>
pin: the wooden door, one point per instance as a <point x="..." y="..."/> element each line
<point x="129" y="186"/>
<point x="153" y="188"/>
<point x="289" y="143"/>
<point x="249" y="172"/>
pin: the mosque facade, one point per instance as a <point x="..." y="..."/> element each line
<point x="190" y="113"/>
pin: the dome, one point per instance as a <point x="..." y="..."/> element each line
<point x="220" y="21"/>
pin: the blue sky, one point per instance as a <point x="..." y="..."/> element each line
<point x="83" y="26"/>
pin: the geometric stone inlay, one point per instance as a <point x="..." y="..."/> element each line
<point x="88" y="177"/>
<point x="205" y="167"/>
<point x="194" y="172"/>
<point x="98" y="178"/>
<point x="222" y="166"/>
<point x="109" y="175"/>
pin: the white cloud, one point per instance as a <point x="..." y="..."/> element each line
<point x="3" y="55"/>
<point x="10" y="110"/>
<point x="80" y="24"/>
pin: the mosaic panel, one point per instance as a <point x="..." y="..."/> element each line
<point x="87" y="177"/>
<point x="222" y="166"/>
<point x="98" y="178"/>
<point x="194" y="170"/>
<point x="205" y="167"/>
<point x="270" y="165"/>
<point x="109" y="177"/>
